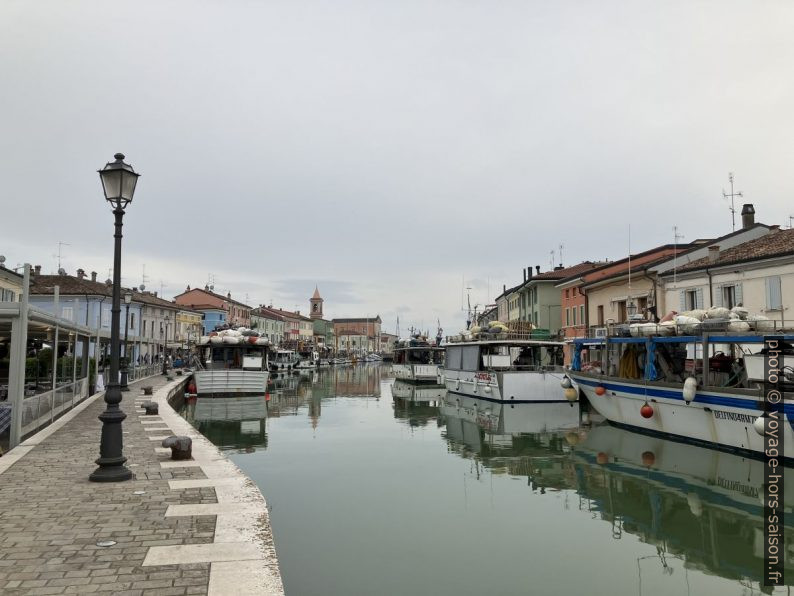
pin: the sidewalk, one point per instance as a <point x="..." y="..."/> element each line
<point x="175" y="538"/>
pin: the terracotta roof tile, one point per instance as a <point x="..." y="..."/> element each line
<point x="773" y="244"/>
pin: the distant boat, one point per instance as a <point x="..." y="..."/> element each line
<point x="416" y="361"/>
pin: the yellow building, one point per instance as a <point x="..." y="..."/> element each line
<point x="189" y="327"/>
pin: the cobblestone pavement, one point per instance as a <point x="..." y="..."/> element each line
<point x="51" y="516"/>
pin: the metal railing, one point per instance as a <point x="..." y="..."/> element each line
<point x="135" y="373"/>
<point x="41" y="409"/>
<point x="736" y="326"/>
<point x="539" y="335"/>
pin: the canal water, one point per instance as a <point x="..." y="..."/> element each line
<point x="379" y="487"/>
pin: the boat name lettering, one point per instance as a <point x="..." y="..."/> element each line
<point x="746" y="418"/>
<point x="737" y="487"/>
<point x="483" y="377"/>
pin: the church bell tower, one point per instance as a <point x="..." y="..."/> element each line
<point x="316" y="305"/>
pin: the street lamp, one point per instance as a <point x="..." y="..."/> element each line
<point x="118" y="184"/>
<point x="165" y="347"/>
<point x="127" y="300"/>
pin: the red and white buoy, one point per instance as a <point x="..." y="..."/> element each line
<point x="600" y="390"/>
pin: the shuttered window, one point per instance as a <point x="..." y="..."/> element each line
<point x="774" y="294"/>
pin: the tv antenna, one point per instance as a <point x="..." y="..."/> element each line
<point x="211" y="281"/>
<point x="144" y="277"/>
<point x="60" y="245"/>
<point x="731" y="196"/>
<point x="676" y="238"/>
<point x="560" y="248"/>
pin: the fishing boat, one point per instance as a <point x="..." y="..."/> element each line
<point x="236" y="365"/>
<point x="307" y="359"/>
<point x="507" y="367"/>
<point x="283" y="360"/>
<point x="705" y="388"/>
<point x="416" y="361"/>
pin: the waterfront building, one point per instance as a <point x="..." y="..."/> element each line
<point x="364" y="331"/>
<point x="387" y="343"/>
<point x="203" y="300"/>
<point x="633" y="284"/>
<point x="503" y="303"/>
<point x="540" y="301"/>
<point x="189" y="327"/>
<point x="758" y="275"/>
<point x="10" y="285"/>
<point x="323" y="333"/>
<point x="268" y="323"/>
<point x="87" y="302"/>
<point x="297" y="328"/>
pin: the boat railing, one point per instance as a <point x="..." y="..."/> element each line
<point x="527" y="368"/>
<point x="713" y="326"/>
<point x="540" y="335"/>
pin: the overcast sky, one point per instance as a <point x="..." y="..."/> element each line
<point x="386" y="150"/>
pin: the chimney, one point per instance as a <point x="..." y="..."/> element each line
<point x="93" y="276"/>
<point x="155" y="293"/>
<point x="748" y="215"/>
<point x="81" y="274"/>
<point x="537" y="268"/>
<point x="525" y="274"/>
<point x="504" y="288"/>
<point x="188" y="288"/>
<point x="714" y="253"/>
<point x="229" y="295"/>
<point x="37" y="270"/>
<point x="529" y="272"/>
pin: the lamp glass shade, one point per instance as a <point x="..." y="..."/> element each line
<point x="127" y="298"/>
<point x="118" y="181"/>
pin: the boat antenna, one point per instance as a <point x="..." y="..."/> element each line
<point x="468" y="303"/>
<point x="731" y="196"/>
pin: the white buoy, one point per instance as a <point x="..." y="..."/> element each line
<point x="690" y="389"/>
<point x="571" y="394"/>
<point x="566" y="382"/>
<point x="758" y="425"/>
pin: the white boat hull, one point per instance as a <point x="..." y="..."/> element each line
<point x="230" y="382"/>
<point x="508" y="386"/>
<point x="717" y="418"/>
<point x="418" y="373"/>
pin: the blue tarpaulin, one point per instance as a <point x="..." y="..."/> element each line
<point x="650" y="362"/>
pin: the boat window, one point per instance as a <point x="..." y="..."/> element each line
<point x="419" y="356"/>
<point x="470" y="360"/>
<point x="454" y="354"/>
<point x="438" y="357"/>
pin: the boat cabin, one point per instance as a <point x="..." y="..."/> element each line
<point x="526" y="355"/>
<point x="229" y="356"/>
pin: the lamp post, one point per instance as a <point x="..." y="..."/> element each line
<point x="126" y="361"/>
<point x="118" y="184"/>
<point x="165" y="347"/>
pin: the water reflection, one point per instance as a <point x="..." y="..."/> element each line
<point x="692" y="502"/>
<point x="520" y="440"/>
<point x="417" y="405"/>
<point x="230" y="423"/>
<point x="661" y="517"/>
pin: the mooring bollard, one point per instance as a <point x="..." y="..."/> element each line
<point x="181" y="446"/>
<point x="179" y="372"/>
<point x="152" y="408"/>
<point x="148" y="390"/>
